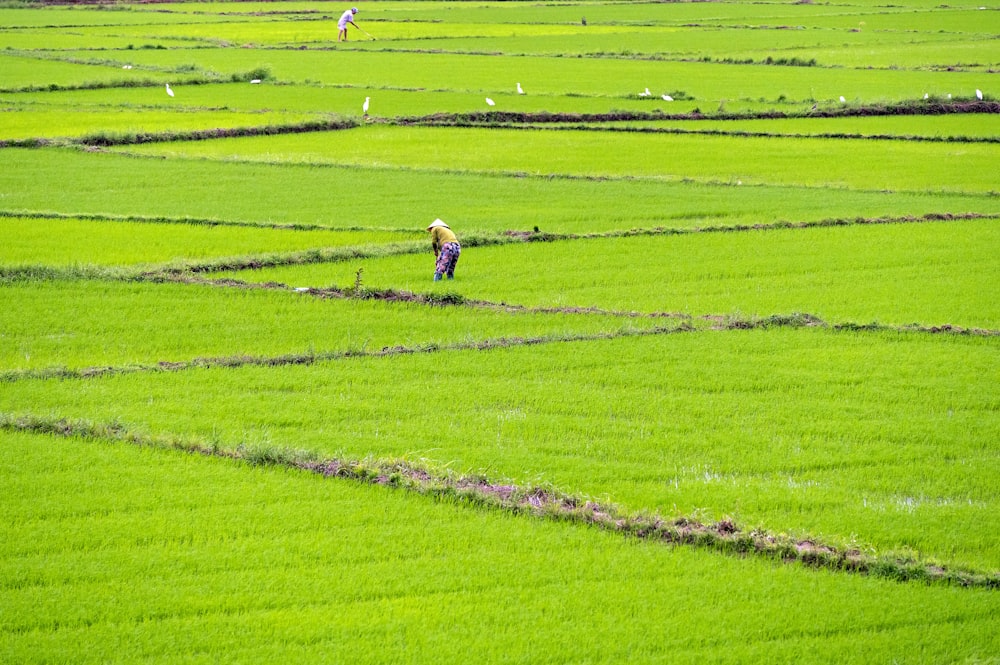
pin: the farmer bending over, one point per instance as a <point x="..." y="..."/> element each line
<point x="347" y="17"/>
<point x="446" y="249"/>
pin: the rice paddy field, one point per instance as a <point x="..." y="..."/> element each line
<point x="717" y="379"/>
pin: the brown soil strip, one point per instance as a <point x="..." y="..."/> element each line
<point x="926" y="107"/>
<point x="536" y="501"/>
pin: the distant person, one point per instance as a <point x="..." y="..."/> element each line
<point x="446" y="249"/>
<point x="347" y="17"/>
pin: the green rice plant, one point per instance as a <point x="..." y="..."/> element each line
<point x="76" y="16"/>
<point x="929" y="273"/>
<point x="974" y="54"/>
<point x="22" y="72"/>
<point x="599" y="13"/>
<point x="539" y="501"/>
<point x="614" y="78"/>
<point x="730" y="45"/>
<point x="92" y="324"/>
<point x="28" y="39"/>
<point x="296" y="194"/>
<point x="813" y="387"/>
<point x="68" y="242"/>
<point x="964" y="127"/>
<point x="883" y="439"/>
<point x="112" y="126"/>
<point x="963" y="20"/>
<point x="318" y="31"/>
<point x="900" y="165"/>
<point x="323" y="101"/>
<point x="155" y="555"/>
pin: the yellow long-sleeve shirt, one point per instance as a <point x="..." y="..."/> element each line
<point x="441" y="235"/>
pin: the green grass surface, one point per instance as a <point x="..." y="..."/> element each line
<point x="160" y="555"/>
<point x="898" y="165"/>
<point x="876" y="437"/>
<point x="927" y="273"/>
<point x="326" y="100"/>
<point x="73" y="122"/>
<point x="881" y="439"/>
<point x="81" y="16"/>
<point x="36" y="241"/>
<point x="85" y="324"/>
<point x="118" y="185"/>
<point x="613" y="78"/>
<point x="965" y="126"/>
<point x="21" y="72"/>
<point x="28" y="39"/>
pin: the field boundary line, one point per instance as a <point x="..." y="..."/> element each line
<point x="176" y="270"/>
<point x="718" y="321"/>
<point x="685" y="323"/>
<point x="539" y="121"/>
<point x="311" y="358"/>
<point x="537" y="501"/>
<point x="743" y="133"/>
<point x="483" y="239"/>
<point x="525" y="175"/>
<point x="195" y="221"/>
<point x="912" y="107"/>
<point x="108" y="139"/>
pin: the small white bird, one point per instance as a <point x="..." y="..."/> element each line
<point x="364" y="107"/>
<point x="926" y="96"/>
<point x="979" y="93"/>
<point x="647" y="93"/>
<point x="255" y="81"/>
<point x="668" y="98"/>
<point x="169" y="91"/>
<point x="490" y="102"/>
<point x="949" y="95"/>
<point x="520" y="91"/>
<point x="127" y="67"/>
<point x="842" y="100"/>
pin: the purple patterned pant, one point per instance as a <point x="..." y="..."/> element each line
<point x="448" y="258"/>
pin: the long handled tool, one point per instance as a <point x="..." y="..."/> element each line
<point x="364" y="31"/>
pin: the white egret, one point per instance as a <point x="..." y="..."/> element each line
<point x="647" y="93"/>
<point x="255" y="81"/>
<point x="979" y="94"/>
<point x="520" y="91"/>
<point x="842" y="100"/>
<point x="926" y="96"/>
<point x="364" y="107"/>
<point x="668" y="98"/>
<point x="169" y="91"/>
<point x="490" y="102"/>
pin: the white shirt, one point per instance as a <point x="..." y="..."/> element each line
<point x="348" y="17"/>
